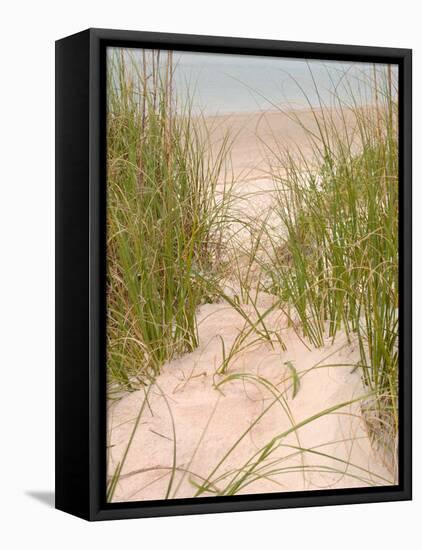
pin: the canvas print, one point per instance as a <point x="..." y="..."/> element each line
<point x="252" y="275"/>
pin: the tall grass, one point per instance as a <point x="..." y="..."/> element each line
<point x="336" y="264"/>
<point x="164" y="224"/>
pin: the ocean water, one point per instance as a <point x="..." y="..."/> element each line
<point x="221" y="83"/>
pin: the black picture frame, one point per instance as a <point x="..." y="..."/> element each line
<point x="80" y="274"/>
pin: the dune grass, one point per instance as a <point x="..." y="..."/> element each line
<point x="164" y="224"/>
<point x="336" y="264"/>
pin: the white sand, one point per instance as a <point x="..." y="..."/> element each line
<point x="208" y="422"/>
<point x="205" y="422"/>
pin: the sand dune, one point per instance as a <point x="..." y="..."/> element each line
<point x="189" y="425"/>
<point x="209" y="421"/>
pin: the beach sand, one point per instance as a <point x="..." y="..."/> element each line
<point x="260" y="135"/>
<point x="193" y="417"/>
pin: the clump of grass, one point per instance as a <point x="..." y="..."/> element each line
<point x="164" y="225"/>
<point x="336" y="264"/>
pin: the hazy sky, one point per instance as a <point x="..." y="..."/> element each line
<point x="221" y="83"/>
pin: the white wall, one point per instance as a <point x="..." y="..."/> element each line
<point x="27" y="274"/>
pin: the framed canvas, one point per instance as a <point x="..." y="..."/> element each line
<point x="233" y="274"/>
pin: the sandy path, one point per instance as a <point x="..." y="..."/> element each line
<point x="207" y="422"/>
<point x="185" y="411"/>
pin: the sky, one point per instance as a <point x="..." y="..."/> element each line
<point x="222" y="83"/>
